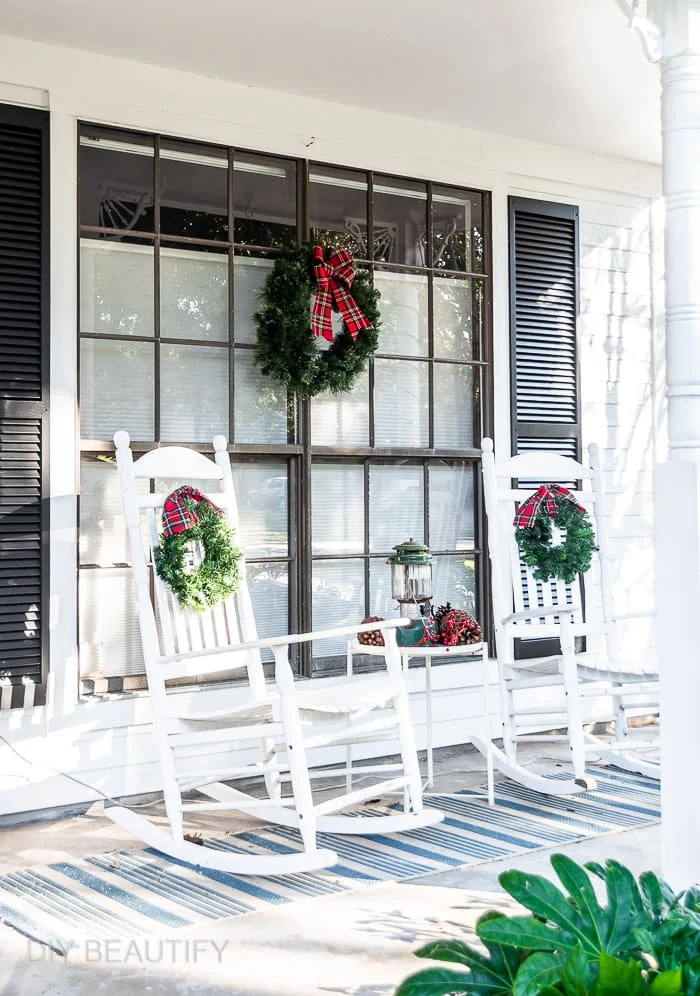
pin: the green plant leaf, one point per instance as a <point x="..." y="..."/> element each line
<point x="440" y="982"/>
<point x="668" y="983"/>
<point x="542" y="898"/>
<point x="619" y="978"/>
<point x="595" y="868"/>
<point x="691" y="978"/>
<point x="459" y="953"/>
<point x="541" y="969"/>
<point x="658" y="895"/>
<point x="626" y="911"/>
<point x="524" y="932"/>
<point x="578" y="973"/>
<point x="574" y="878"/>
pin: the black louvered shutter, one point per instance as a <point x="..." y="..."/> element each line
<point x="543" y="313"/>
<point x="545" y="409"/>
<point x="24" y="282"/>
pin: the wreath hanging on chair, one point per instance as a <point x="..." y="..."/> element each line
<point x="289" y="325"/>
<point x="192" y="525"/>
<point x="553" y="505"/>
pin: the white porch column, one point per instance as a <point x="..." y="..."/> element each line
<point x="677" y="483"/>
<point x="670" y="31"/>
<point x="671" y="34"/>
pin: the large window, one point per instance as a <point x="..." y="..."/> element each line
<point x="176" y="240"/>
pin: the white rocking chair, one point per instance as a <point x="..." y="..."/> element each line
<point x="199" y="747"/>
<point x="527" y="609"/>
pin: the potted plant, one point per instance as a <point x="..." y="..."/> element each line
<point x="642" y="938"/>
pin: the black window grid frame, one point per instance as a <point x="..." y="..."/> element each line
<point x="299" y="449"/>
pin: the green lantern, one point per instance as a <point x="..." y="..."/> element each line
<point x="412" y="587"/>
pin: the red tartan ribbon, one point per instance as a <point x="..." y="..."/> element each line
<point x="177" y="515"/>
<point x="548" y="495"/>
<point x="335" y="277"/>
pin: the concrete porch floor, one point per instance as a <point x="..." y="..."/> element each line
<point x="355" y="944"/>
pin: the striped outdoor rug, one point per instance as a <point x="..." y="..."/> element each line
<point x="129" y="894"/>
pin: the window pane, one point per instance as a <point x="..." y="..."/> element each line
<point x="116" y="288"/>
<point x="193" y="295"/>
<point x="260" y="403"/>
<point x="116" y="180"/>
<point x="399" y="221"/>
<point x="338" y="207"/>
<point x="261" y="493"/>
<point x="404" y="309"/>
<point x="193" y="393"/>
<point x="342" y="419"/>
<point x="451" y="490"/>
<point x="452" y="318"/>
<point x="395" y="506"/>
<point x="109" y="634"/>
<point x="249" y="275"/>
<point x="116" y="389"/>
<point x="454" y="406"/>
<point x="193" y="191"/>
<point x="265" y="200"/>
<point x="337" y="508"/>
<point x="380" y="601"/>
<point x="400" y="403"/>
<point x="338" y="589"/>
<point x="269" y="587"/>
<point x="458" y="235"/>
<point x="454" y="581"/>
<point x="103" y="535"/>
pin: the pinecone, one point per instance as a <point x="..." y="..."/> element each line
<point x="456" y="627"/>
<point x="373" y="638"/>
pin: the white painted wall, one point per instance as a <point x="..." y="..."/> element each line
<point x="108" y="744"/>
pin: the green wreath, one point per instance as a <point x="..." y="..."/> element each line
<point x="566" y="560"/>
<point x="216" y="578"/>
<point x="286" y="348"/>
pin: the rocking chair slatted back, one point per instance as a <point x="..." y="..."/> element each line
<point x="515" y="588"/>
<point x="171" y="629"/>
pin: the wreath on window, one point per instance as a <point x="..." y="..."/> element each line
<point x="307" y="284"/>
<point x="194" y="529"/>
<point x="554" y="505"/>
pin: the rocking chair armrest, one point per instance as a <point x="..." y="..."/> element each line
<point x="625" y="616"/>
<point x="271" y="642"/>
<point x="549" y="610"/>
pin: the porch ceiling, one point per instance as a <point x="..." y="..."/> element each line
<point x="568" y="72"/>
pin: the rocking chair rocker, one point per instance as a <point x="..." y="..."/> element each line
<point x="201" y="746"/>
<point x="527" y="609"/>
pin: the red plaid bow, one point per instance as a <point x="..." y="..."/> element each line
<point x="335" y="277"/>
<point x="548" y="495"/>
<point x="177" y="513"/>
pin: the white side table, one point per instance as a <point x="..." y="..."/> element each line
<point x="428" y="654"/>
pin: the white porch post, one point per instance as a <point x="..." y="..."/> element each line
<point x="677" y="481"/>
<point x="677" y="485"/>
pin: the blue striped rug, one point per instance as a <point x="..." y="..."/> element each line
<point x="129" y="894"/>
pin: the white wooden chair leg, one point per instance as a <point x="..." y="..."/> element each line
<point x="577" y="745"/>
<point x="510" y="746"/>
<point x="348" y="750"/>
<point x="296" y="755"/>
<point x="429" y="723"/>
<point x="273" y="782"/>
<point x="407" y="743"/>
